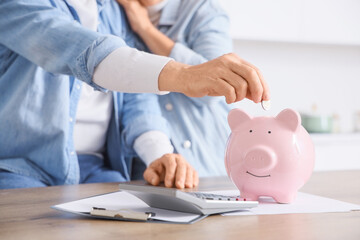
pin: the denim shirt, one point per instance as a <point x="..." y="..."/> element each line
<point x="199" y="129"/>
<point x="45" y="56"/>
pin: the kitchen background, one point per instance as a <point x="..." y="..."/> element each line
<point x="309" y="53"/>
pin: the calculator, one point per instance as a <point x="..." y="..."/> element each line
<point x="185" y="201"/>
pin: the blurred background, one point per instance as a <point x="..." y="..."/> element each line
<point x="309" y="53"/>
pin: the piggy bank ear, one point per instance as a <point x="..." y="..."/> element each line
<point x="289" y="118"/>
<point x="236" y="117"/>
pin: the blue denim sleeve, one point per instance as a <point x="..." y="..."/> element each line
<point x="208" y="38"/>
<point x="46" y="35"/>
<point x="141" y="113"/>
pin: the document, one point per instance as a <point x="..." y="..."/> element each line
<point x="304" y="203"/>
<point x="123" y="201"/>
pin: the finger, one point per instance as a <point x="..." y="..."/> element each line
<point x="158" y="167"/>
<point x="180" y="172"/>
<point x="252" y="78"/>
<point x="266" y="90"/>
<point x="170" y="168"/>
<point x="151" y="176"/>
<point x="248" y="72"/>
<point x="223" y="88"/>
<point x="189" y="182"/>
<point x="195" y="179"/>
<point x="239" y="83"/>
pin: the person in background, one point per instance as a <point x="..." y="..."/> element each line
<point x="50" y="50"/>
<point x="191" y="32"/>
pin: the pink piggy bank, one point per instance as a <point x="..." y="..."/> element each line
<point x="269" y="156"/>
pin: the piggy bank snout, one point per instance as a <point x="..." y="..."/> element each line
<point x="261" y="159"/>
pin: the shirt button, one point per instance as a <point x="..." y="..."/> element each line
<point x="71" y="119"/>
<point x="77" y="86"/>
<point x="169" y="106"/>
<point x="187" y="144"/>
<point x="72" y="153"/>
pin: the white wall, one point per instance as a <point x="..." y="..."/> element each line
<point x="309" y="53"/>
<point x="301" y="75"/>
<point x="314" y="21"/>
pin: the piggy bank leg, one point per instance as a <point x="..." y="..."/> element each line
<point x="285" y="197"/>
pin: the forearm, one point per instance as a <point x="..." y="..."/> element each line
<point x="157" y="42"/>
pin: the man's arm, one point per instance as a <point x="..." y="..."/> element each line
<point x="228" y="76"/>
<point x="49" y="38"/>
<point x="233" y="77"/>
<point x="142" y="125"/>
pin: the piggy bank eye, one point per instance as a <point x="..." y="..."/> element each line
<point x="250" y="131"/>
<point x="269" y="132"/>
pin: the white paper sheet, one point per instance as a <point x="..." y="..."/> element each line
<point x="123" y="200"/>
<point x="304" y="203"/>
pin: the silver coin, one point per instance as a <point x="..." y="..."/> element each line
<point x="266" y="105"/>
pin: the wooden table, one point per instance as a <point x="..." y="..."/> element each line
<point x="26" y="214"/>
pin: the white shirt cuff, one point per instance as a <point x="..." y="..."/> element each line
<point x="129" y="70"/>
<point x="152" y="145"/>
